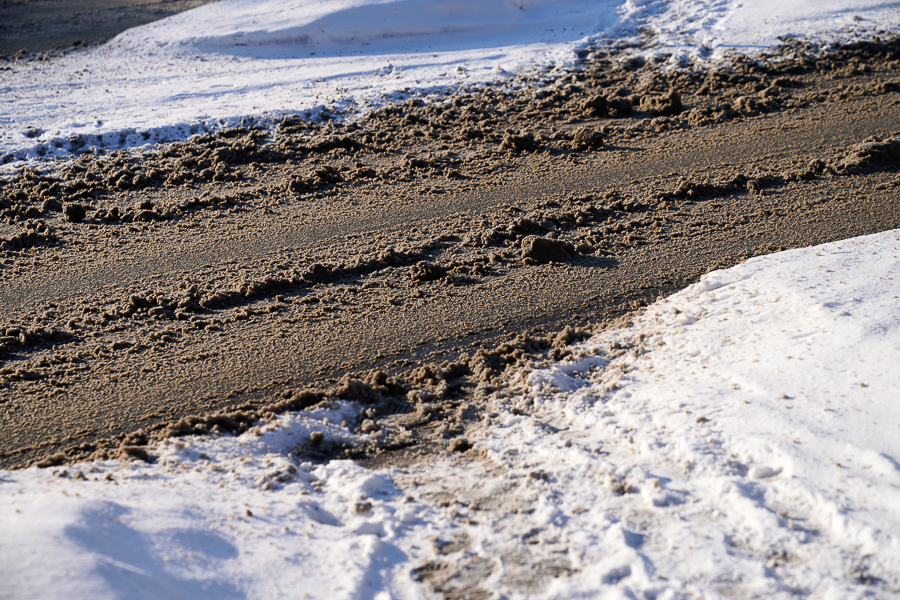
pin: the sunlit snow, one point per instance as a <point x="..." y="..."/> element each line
<point x="253" y="62"/>
<point x="738" y="439"/>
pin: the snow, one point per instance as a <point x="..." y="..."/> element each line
<point x="211" y="519"/>
<point x="255" y="61"/>
<point x="739" y="438"/>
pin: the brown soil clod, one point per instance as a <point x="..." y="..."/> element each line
<point x="519" y="141"/>
<point x="587" y="138"/>
<point x="667" y="104"/>
<point x="423" y="272"/>
<point x="543" y="250"/>
<point x="460" y="444"/>
<point x="75" y="213"/>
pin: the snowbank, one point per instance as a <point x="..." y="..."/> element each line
<point x="233" y="61"/>
<point x="255" y="61"/>
<point x="740" y="438"/>
<point x="750" y="422"/>
<point x="217" y="519"/>
<point x="274" y="29"/>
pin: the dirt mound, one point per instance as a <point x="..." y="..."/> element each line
<point x="587" y="137"/>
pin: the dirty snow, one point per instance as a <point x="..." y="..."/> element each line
<point x="738" y="439"/>
<point x="255" y="61"/>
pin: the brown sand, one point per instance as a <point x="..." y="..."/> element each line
<point x="409" y="260"/>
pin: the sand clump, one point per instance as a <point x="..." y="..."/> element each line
<point x="543" y="250"/>
<point x="667" y="104"/>
<point x="587" y="138"/>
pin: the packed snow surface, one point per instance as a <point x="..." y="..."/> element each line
<point x="255" y="61"/>
<point x="738" y="439"/>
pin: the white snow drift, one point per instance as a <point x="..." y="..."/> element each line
<point x="255" y="61"/>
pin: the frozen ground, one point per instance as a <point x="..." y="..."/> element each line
<point x="254" y="61"/>
<point x="739" y="439"/>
